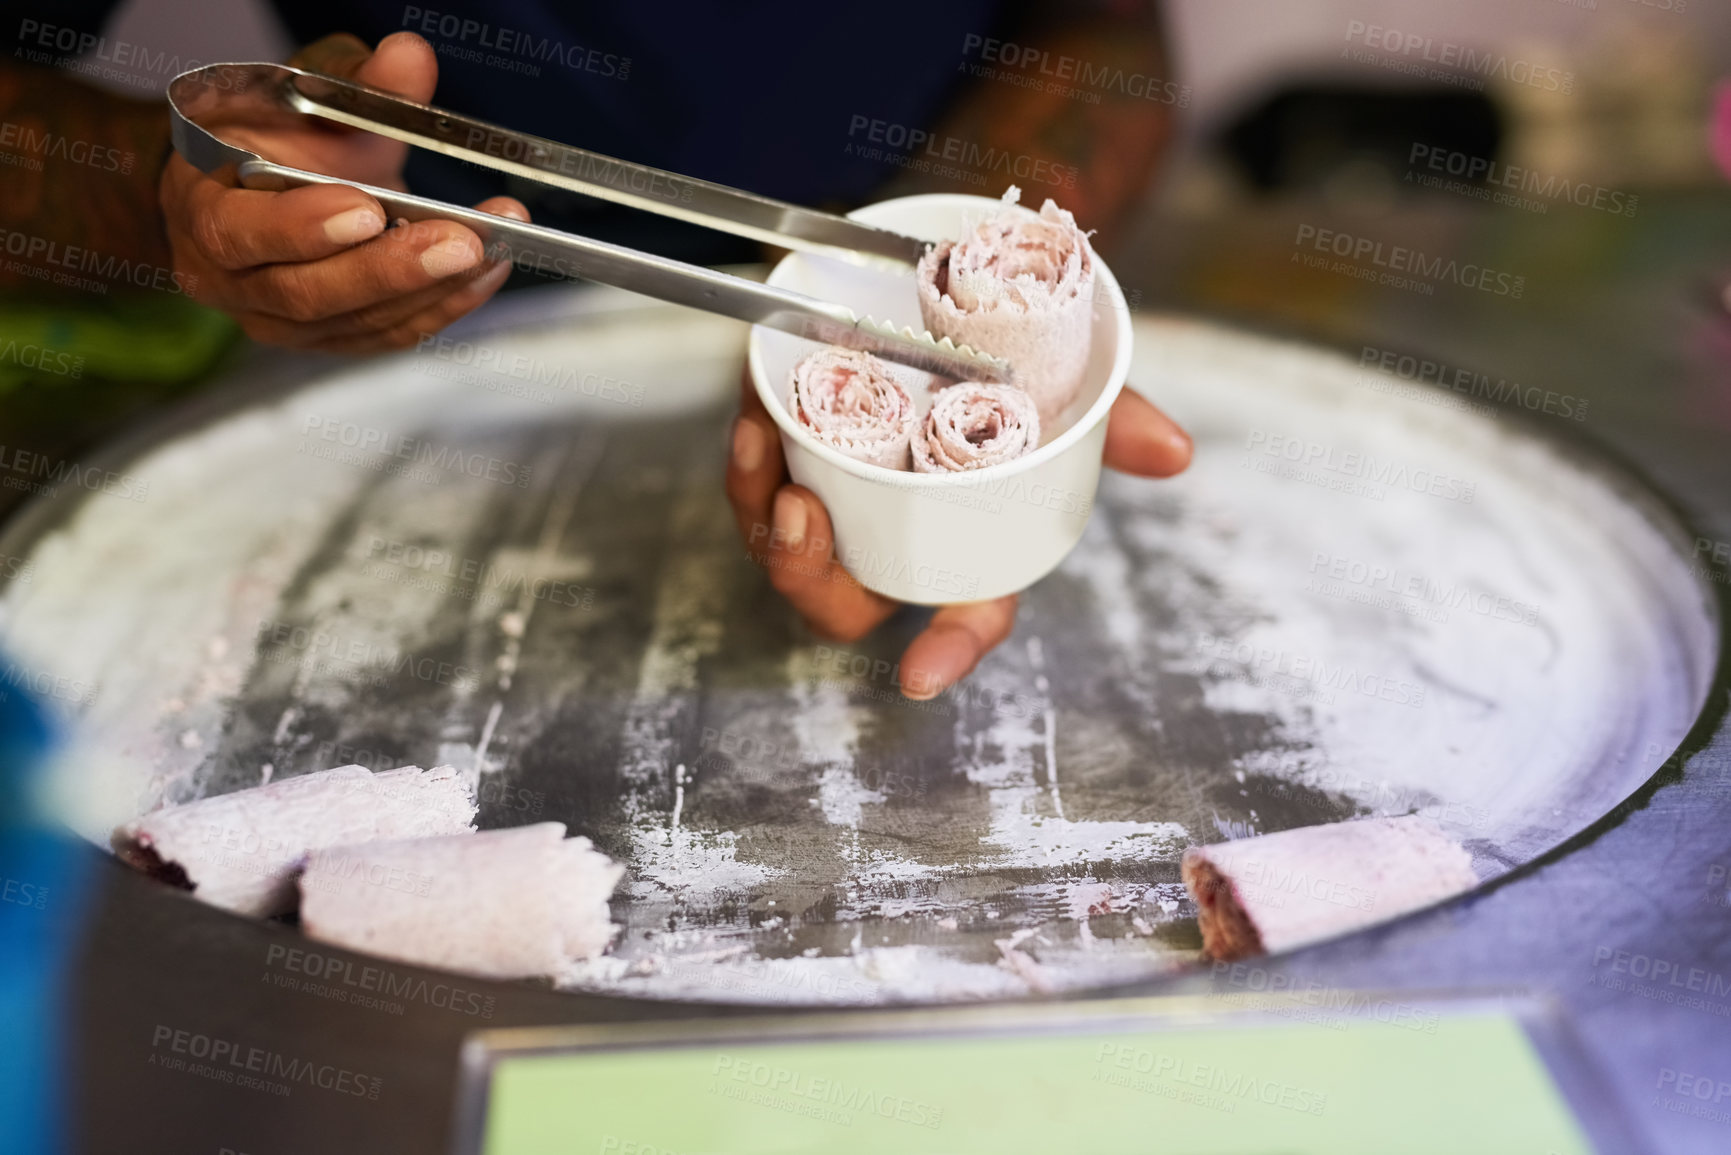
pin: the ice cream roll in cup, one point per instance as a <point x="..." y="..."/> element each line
<point x="975" y="426"/>
<point x="1021" y="286"/>
<point x="952" y="535"/>
<point x="851" y="402"/>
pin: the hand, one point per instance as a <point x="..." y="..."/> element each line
<point x="787" y="530"/>
<point x="316" y="267"/>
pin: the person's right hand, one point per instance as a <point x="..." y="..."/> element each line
<point x="316" y="267"/>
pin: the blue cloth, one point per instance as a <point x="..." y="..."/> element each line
<point x="43" y="873"/>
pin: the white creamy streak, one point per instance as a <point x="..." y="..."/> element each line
<point x="688" y="864"/>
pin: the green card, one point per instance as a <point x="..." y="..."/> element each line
<point x="1112" y="1076"/>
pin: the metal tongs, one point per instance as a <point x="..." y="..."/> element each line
<point x="205" y="100"/>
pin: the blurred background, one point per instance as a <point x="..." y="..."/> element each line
<point x="1642" y="67"/>
<point x="1642" y="71"/>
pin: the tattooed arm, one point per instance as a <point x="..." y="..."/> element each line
<point x="314" y="267"/>
<point x="78" y="171"/>
<point x="1077" y="109"/>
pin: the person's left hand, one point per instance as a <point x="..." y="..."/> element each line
<point x="787" y="531"/>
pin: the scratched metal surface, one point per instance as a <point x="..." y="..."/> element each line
<point x="565" y="612"/>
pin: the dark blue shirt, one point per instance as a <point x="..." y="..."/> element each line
<point x="759" y="94"/>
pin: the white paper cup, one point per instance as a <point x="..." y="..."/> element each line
<point x="940" y="538"/>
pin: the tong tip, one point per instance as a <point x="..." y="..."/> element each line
<point x="976" y="364"/>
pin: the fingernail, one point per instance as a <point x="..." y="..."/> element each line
<point x="747" y="446"/>
<point x="450" y="256"/>
<point x="1181" y="445"/>
<point x="354" y="226"/>
<point x="790" y="519"/>
<point x="492" y="278"/>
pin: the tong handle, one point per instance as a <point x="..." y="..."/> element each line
<point x="548" y="162"/>
<point x="552" y="253"/>
<point x="264" y="95"/>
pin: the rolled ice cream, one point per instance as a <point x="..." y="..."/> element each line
<point x="974" y="426"/>
<point x="848" y="400"/>
<point x="241" y="850"/>
<point x="515" y="903"/>
<point x="1020" y="286"/>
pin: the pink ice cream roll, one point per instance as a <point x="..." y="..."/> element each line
<point x="1277" y="892"/>
<point x="974" y="426"/>
<point x="848" y="400"/>
<point x="521" y="902"/>
<point x="1019" y="286"/>
<point x="241" y="850"/>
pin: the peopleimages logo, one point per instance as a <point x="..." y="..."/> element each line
<point x="1662" y="970"/>
<point x="371" y="442"/>
<point x="1337" y="1004"/>
<point x="58" y="46"/>
<point x="1042" y="70"/>
<point x="1273" y="883"/>
<point x="1268" y="662"/>
<point x="39" y="473"/>
<point x="467" y="576"/>
<point x="49" y="260"/>
<point x="42" y="359"/>
<point x="1378" y="474"/>
<point x="803" y="1094"/>
<point x="749" y="751"/>
<point x="1718" y="551"/>
<point x="1398" y="259"/>
<point x="1702" y="1089"/>
<point x="44" y="144"/>
<point x="358" y="979"/>
<point x="924" y="149"/>
<point x="1418" y="52"/>
<point x="449" y="357"/>
<point x="948" y="582"/>
<point x="329" y="872"/>
<point x="1475" y="169"/>
<point x="1474" y="385"/>
<point x="588" y="167"/>
<point x="1230" y="1085"/>
<point x="320" y="650"/>
<point x="21" y="893"/>
<point x="1331" y="573"/>
<point x="507" y="43"/>
<point x="227" y="1061"/>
